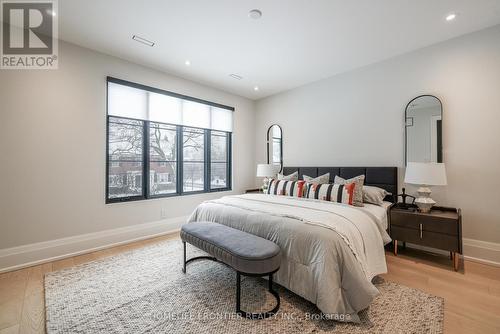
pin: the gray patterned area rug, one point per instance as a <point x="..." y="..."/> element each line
<point x="144" y="291"/>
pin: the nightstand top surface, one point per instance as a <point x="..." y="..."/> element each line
<point x="449" y="213"/>
<point x="253" y="191"/>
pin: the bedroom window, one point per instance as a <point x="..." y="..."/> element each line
<point x="163" y="144"/>
<point x="162" y="158"/>
<point x="125" y="157"/>
<point x="219" y="159"/>
<point x="193" y="159"/>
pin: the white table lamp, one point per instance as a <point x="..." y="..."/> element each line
<point x="425" y="174"/>
<point x="266" y="171"/>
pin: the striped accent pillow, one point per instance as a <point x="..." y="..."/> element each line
<point x="339" y="193"/>
<point x="286" y="188"/>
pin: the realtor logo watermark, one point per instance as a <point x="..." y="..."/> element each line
<point x="29" y="34"/>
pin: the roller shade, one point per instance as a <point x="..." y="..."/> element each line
<point x="165" y="107"/>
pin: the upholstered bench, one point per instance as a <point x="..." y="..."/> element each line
<point x="247" y="254"/>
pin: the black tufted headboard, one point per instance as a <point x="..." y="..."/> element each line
<point x="382" y="177"/>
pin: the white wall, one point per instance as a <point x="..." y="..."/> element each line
<point x="357" y="118"/>
<point x="52" y="146"/>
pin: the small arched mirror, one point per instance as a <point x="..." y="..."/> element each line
<point x="424" y="134"/>
<point x="275" y="146"/>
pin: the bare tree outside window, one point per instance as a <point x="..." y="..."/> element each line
<point x="163" y="159"/>
<point x="125" y="156"/>
<point x="218" y="159"/>
<point x="193" y="159"/>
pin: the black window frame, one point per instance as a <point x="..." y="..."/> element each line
<point x="227" y="162"/>
<point x="179" y="150"/>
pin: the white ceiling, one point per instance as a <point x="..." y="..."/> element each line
<point x="295" y="41"/>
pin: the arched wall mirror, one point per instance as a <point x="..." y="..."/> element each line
<point x="275" y="146"/>
<point x="424" y="130"/>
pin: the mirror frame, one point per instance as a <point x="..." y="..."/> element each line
<point x="281" y="145"/>
<point x="406" y="127"/>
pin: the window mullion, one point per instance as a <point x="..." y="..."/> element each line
<point x="208" y="158"/>
<point x="228" y="161"/>
<point x="180" y="158"/>
<point x="107" y="152"/>
<point x="146" y="158"/>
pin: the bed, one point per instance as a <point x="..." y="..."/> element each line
<point x="331" y="252"/>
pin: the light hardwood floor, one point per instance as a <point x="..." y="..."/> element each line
<point x="472" y="295"/>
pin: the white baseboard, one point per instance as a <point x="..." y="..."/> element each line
<point x="474" y="250"/>
<point x="32" y="254"/>
<point x="482" y="251"/>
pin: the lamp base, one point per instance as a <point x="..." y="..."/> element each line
<point x="265" y="185"/>
<point x="424" y="200"/>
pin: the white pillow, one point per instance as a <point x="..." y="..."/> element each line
<point x="322" y="179"/>
<point x="374" y="195"/>
<point x="291" y="177"/>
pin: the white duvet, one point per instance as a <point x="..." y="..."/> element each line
<point x="330" y="251"/>
<point x="359" y="227"/>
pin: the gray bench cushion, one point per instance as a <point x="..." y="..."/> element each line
<point x="242" y="251"/>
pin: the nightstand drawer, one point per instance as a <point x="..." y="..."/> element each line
<point x="440" y="225"/>
<point x="427" y="238"/>
<point x="429" y="223"/>
<point x="405" y="219"/>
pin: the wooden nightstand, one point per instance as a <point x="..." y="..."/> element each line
<point x="253" y="191"/>
<point x="441" y="228"/>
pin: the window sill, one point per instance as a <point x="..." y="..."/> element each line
<point x="173" y="195"/>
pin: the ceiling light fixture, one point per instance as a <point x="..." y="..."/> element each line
<point x="143" y="40"/>
<point x="187" y="62"/>
<point x="451" y="17"/>
<point x="255" y="14"/>
<point x="235" y="76"/>
<point x="256" y="88"/>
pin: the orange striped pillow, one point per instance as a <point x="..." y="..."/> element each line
<point x="286" y="188"/>
<point x="339" y="193"/>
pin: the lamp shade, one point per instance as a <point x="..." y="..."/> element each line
<point x="426" y="173"/>
<point x="265" y="170"/>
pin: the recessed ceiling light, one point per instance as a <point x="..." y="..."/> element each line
<point x="235" y="76"/>
<point x="256" y="88"/>
<point x="255" y="14"/>
<point x="143" y="40"/>
<point x="187" y="62"/>
<point x="451" y="17"/>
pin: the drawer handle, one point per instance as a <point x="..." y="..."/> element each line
<point x="420" y="231"/>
